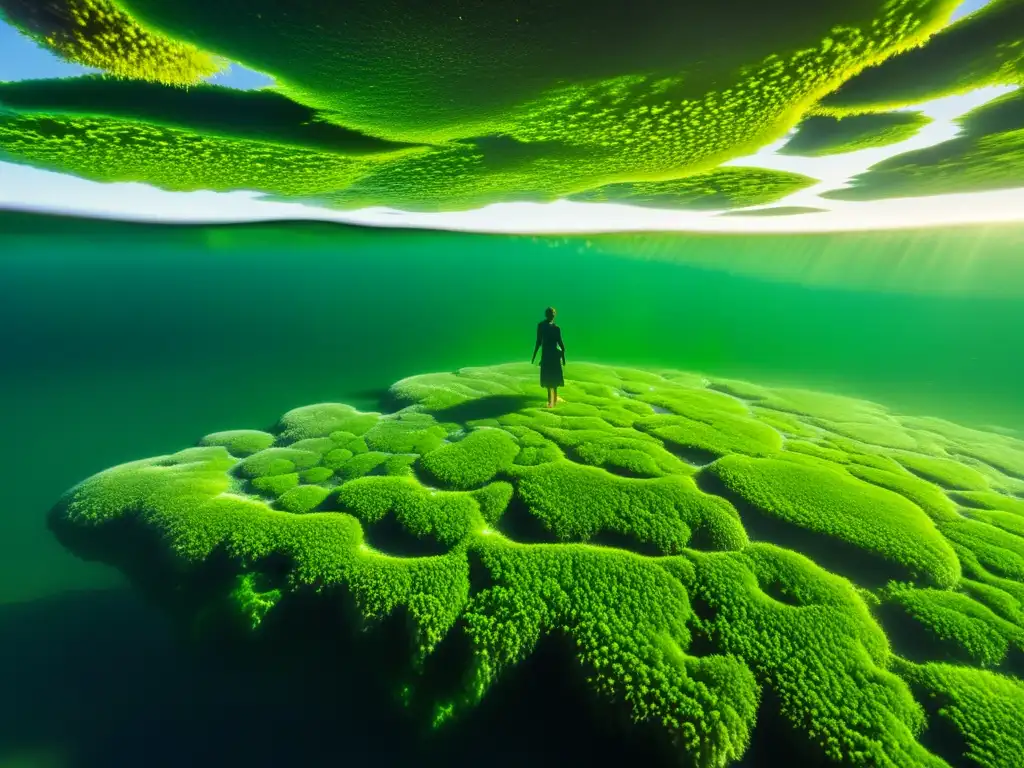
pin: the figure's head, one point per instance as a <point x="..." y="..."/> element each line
<point x="549" y="313"/>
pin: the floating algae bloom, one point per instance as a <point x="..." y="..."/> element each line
<point x="719" y="554"/>
<point x="628" y="101"/>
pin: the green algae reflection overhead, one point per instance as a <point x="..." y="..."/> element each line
<point x="720" y="554"/>
<point x="637" y="101"/>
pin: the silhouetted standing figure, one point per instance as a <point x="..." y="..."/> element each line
<point x="552" y="355"/>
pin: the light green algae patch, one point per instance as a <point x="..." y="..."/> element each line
<point x="473" y="461"/>
<point x="718" y="434"/>
<point x="812" y="641"/>
<point x="827" y="502"/>
<point x="720" y="555"/>
<point x="577" y="502"/>
<point x="973" y="632"/>
<point x="109" y="150"/>
<point x="985" y="708"/>
<point x="988" y="500"/>
<point x="932" y="501"/>
<point x="945" y="473"/>
<point x="240" y="442"/>
<point x="209" y="111"/>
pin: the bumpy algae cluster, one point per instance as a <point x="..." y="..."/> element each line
<point x="723" y="558"/>
<point x="518" y="101"/>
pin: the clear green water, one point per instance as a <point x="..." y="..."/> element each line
<point x="120" y="342"/>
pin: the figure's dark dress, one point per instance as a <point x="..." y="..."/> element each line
<point x="549" y="336"/>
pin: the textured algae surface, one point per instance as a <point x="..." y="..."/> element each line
<point x="637" y="102"/>
<point x="722" y="557"/>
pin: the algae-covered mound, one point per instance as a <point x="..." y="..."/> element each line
<point x="731" y="564"/>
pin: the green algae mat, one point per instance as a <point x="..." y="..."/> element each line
<point x="719" y="555"/>
<point x="452" y="105"/>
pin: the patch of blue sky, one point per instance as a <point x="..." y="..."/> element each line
<point x="242" y="78"/>
<point x="21" y="58"/>
<point x="967" y="7"/>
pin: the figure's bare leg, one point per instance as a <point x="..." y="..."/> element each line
<point x="557" y="398"/>
<point x="551" y="399"/>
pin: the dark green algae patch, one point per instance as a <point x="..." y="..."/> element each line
<point x="728" y="565"/>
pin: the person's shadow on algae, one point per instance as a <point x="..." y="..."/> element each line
<point x="552" y="356"/>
